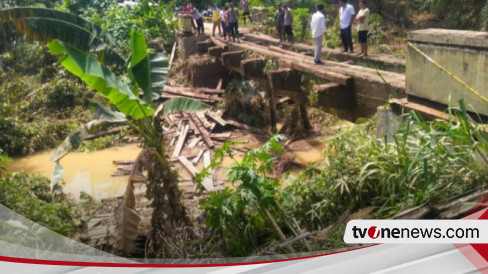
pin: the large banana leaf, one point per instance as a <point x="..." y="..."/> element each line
<point x="46" y="24"/>
<point x="98" y="77"/>
<point x="183" y="104"/>
<point x="30" y="12"/>
<point x="149" y="70"/>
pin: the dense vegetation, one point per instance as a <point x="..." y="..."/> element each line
<point x="31" y="196"/>
<point x="423" y="162"/>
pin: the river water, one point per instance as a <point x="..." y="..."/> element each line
<point x="91" y="172"/>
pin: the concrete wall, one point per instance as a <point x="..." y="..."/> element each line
<point x="463" y="53"/>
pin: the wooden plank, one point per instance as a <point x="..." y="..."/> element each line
<point x="194" y="127"/>
<point x="194" y="142"/>
<point x="196" y="159"/>
<point x="246" y="127"/>
<point x="208" y="182"/>
<point x="172" y="58"/>
<point x="225" y="135"/>
<point x="284" y="99"/>
<point x="216" y="118"/>
<point x="181" y="141"/>
<point x="122" y="162"/>
<point x="120" y="173"/>
<point x="188" y="165"/>
<point x="205" y="122"/>
<point x="172" y="141"/>
<point x="168" y="120"/>
<point x="183" y="92"/>
<point x="219" y="85"/>
<point x="203" y="130"/>
<point x="125" y="168"/>
<point x="170" y="96"/>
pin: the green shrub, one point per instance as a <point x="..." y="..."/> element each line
<point x="423" y="162"/>
<point x="376" y="34"/>
<point x="31" y="197"/>
<point x="301" y="25"/>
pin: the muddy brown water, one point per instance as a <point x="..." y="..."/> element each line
<point x="91" y="172"/>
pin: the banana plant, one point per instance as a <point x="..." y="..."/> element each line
<point x="87" y="51"/>
<point x="148" y="73"/>
<point x="43" y="25"/>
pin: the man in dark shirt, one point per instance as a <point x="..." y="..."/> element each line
<point x="279" y="21"/>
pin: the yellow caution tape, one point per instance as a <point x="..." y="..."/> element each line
<point x="240" y="17"/>
<point x="448" y="72"/>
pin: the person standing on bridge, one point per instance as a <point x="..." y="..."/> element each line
<point x="319" y="29"/>
<point x="245" y="11"/>
<point x="363" y="27"/>
<point x="288" y="24"/>
<point x="216" y="19"/>
<point x="198" y="19"/>
<point x="280" y="21"/>
<point x="232" y="22"/>
<point x="346" y="15"/>
<point x="223" y="19"/>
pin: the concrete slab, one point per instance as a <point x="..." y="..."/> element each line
<point x="462" y="53"/>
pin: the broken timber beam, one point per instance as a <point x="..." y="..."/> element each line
<point x="181" y="141"/>
<point x="196" y="93"/>
<point x="215" y="52"/>
<point x="246" y="127"/>
<point x="203" y="46"/>
<point x="216" y="118"/>
<point x="303" y="64"/>
<point x="208" y="181"/>
<point x="233" y="59"/>
<point x="253" y="68"/>
<point x="203" y="131"/>
<point x="188" y="165"/>
<point x="219" y="43"/>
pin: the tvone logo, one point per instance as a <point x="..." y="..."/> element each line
<point x="373" y="232"/>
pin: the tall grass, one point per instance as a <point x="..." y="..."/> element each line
<point x="423" y="162"/>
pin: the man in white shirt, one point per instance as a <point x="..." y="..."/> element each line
<point x="346" y="15"/>
<point x="318" y="30"/>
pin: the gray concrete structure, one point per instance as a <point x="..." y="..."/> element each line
<point x="463" y="53"/>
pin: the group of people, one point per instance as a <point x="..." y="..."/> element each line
<point x="197" y="17"/>
<point x="347" y="15"/>
<point x="225" y="20"/>
<point x="283" y="22"/>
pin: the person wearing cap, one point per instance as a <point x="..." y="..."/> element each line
<point x="319" y="29"/>
<point x="287" y="27"/>
<point x="346" y="15"/>
<point x="279" y="21"/>
<point x="363" y="27"/>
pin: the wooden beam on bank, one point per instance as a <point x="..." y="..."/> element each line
<point x="295" y="61"/>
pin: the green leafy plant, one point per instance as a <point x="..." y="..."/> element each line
<point x="240" y="214"/>
<point x="422" y="162"/>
